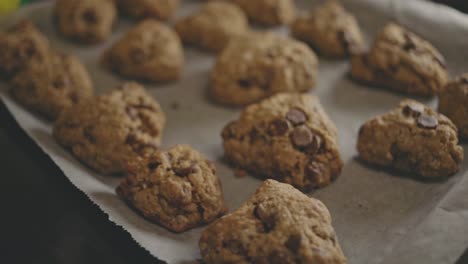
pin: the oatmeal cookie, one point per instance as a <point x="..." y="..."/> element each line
<point x="330" y="30"/>
<point x="51" y="85"/>
<point x="177" y="189"/>
<point x="20" y="45"/>
<point x="287" y="137"/>
<point x="213" y="26"/>
<point x="151" y="51"/>
<point x="412" y="139"/>
<point x="87" y="21"/>
<point x="402" y="61"/>
<point x="278" y="224"/>
<point x="257" y="65"/>
<point x="110" y="130"/>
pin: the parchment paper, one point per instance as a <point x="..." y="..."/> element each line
<point x="379" y="217"/>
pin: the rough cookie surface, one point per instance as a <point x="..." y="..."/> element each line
<point x="287" y="137"/>
<point x="213" y="26"/>
<point x="412" y="139"/>
<point x="402" y="61"/>
<point x="257" y="65"/>
<point x="278" y="224"/>
<point x="150" y="51"/>
<point x="178" y="189"/>
<point x="51" y="85"/>
<point x="87" y="21"/>
<point x="330" y="30"/>
<point x="108" y="131"/>
<point x="159" y="9"/>
<point x="20" y="45"/>
<point x="268" y="12"/>
<point x="453" y="102"/>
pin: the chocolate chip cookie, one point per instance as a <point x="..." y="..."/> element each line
<point x="159" y="9"/>
<point x="151" y="51"/>
<point x="401" y="61"/>
<point x="278" y="224"/>
<point x="108" y="131"/>
<point x="51" y="85"/>
<point x="257" y="65"/>
<point x="330" y="30"/>
<point x="87" y="21"/>
<point x="212" y="26"/>
<point x="268" y="12"/>
<point x="412" y="139"/>
<point x="287" y="137"/>
<point x="177" y="189"/>
<point x="453" y="102"/>
<point x="20" y="45"/>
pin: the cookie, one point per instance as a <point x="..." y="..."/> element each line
<point x="87" y="21"/>
<point x="278" y="224"/>
<point x="51" y="85"/>
<point x="411" y="139"/>
<point x="257" y="65"/>
<point x="268" y="12"/>
<point x="401" y="61"/>
<point x="150" y="51"/>
<point x="212" y="26"/>
<point x="287" y="137"/>
<point x="330" y="30"/>
<point x="158" y="9"/>
<point x="177" y="189"/>
<point x="20" y="45"/>
<point x="110" y="130"/>
<point x="453" y="102"/>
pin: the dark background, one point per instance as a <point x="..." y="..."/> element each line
<point x="45" y="219"/>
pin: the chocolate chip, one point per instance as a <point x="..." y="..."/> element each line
<point x="244" y="83"/>
<point x="90" y="16"/>
<point x="278" y="127"/>
<point x="265" y="216"/>
<point x="302" y="137"/>
<point x="185" y="171"/>
<point x="137" y="55"/>
<point x="296" y="116"/>
<point x="153" y="165"/>
<point x="314" y="146"/>
<point x="427" y="121"/>
<point x="294" y="242"/>
<point x="413" y="110"/>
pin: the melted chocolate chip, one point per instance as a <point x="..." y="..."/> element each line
<point x="413" y="110"/>
<point x="427" y="121"/>
<point x="267" y="218"/>
<point x="153" y="165"/>
<point x="314" y="146"/>
<point x="302" y="137"/>
<point x="278" y="127"/>
<point x="243" y="83"/>
<point x="185" y="171"/>
<point x="90" y="16"/>
<point x="296" y="116"/>
<point x="294" y="242"/>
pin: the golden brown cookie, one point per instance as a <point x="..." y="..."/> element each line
<point x="177" y="189"/>
<point x="278" y="224"/>
<point x="401" y="61"/>
<point x="150" y="51"/>
<point x="453" y="102"/>
<point x="110" y="130"/>
<point x="260" y="64"/>
<point x="287" y="137"/>
<point x="268" y="12"/>
<point x="20" y="45"/>
<point x="87" y="21"/>
<point x="51" y="85"/>
<point x="159" y="9"/>
<point x="213" y="26"/>
<point x="330" y="30"/>
<point x="412" y="139"/>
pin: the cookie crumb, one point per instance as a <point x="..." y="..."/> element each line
<point x="240" y="173"/>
